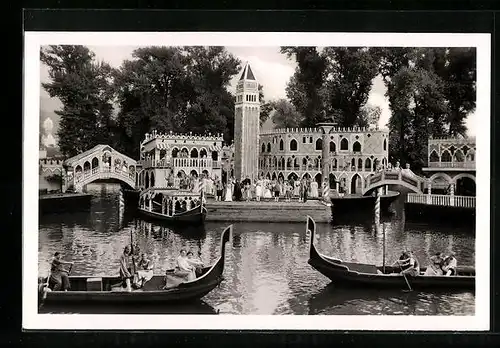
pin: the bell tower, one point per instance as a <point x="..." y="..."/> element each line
<point x="246" y="126"/>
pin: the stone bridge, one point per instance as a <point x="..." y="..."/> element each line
<point x="100" y="163"/>
<point x="401" y="177"/>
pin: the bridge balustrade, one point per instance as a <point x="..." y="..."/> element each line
<point x="442" y="200"/>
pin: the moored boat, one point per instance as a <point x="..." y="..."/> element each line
<point x="172" y="205"/>
<point x="368" y="275"/>
<point x="161" y="289"/>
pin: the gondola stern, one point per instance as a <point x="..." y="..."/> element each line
<point x="311" y="232"/>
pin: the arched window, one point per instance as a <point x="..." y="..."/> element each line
<point x="433" y="156"/>
<point x="293" y="145"/>
<point x="458" y="156"/>
<point x="175" y="151"/>
<point x="282" y="146"/>
<point x="445" y="157"/>
<point x="194" y="153"/>
<point x="356" y="147"/>
<point x="203" y="153"/>
<point x="333" y="148"/>
<point x="344" y="144"/>
<point x="263" y="148"/>
<point x="152" y="179"/>
<point x="385" y="144"/>
<point x="319" y="144"/>
<point x="268" y="147"/>
<point x="360" y="164"/>
<point x="310" y="140"/>
<point x="368" y="165"/>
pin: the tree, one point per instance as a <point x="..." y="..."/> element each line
<point x="265" y="107"/>
<point x="84" y="88"/>
<point x="369" y="116"/>
<point x="304" y="88"/>
<point x="175" y="89"/>
<point x="349" y="75"/>
<point x="460" y="81"/>
<point x="285" y="115"/>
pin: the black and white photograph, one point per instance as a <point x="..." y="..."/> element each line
<point x="305" y="181"/>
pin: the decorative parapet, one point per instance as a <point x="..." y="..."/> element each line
<point x="336" y="129"/>
<point x="455" y="140"/>
<point x="177" y="136"/>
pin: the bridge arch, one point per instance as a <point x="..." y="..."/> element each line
<point x="380" y="179"/>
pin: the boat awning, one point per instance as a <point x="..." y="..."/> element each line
<point x="215" y="148"/>
<point x="163" y="146"/>
<point x="171" y="192"/>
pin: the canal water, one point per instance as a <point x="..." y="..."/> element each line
<point x="266" y="266"/>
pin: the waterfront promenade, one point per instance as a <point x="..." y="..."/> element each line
<point x="268" y="211"/>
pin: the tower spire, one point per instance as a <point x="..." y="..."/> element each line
<point x="247" y="73"/>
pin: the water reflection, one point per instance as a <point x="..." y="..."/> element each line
<point x="266" y="265"/>
<point x="197" y="307"/>
<point x="332" y="300"/>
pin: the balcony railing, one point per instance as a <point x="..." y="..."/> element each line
<point x="466" y="165"/>
<point x="181" y="162"/>
<point x="442" y="200"/>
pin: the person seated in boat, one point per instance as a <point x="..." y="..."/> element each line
<point x="184" y="268"/>
<point x="196" y="262"/>
<point x="125" y="268"/>
<point x="408" y="264"/>
<point x="450" y="265"/>
<point x="435" y="268"/>
<point x="144" y="271"/>
<point x="58" y="275"/>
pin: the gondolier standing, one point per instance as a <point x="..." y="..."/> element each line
<point x="125" y="269"/>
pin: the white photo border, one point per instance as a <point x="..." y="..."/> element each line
<point x="33" y="320"/>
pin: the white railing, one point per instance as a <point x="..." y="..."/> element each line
<point x="192" y="162"/>
<point x="442" y="200"/>
<point x="100" y="171"/>
<point x="467" y="165"/>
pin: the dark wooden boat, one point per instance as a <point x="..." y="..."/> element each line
<point x="161" y="289"/>
<point x="367" y="275"/>
<point x="172" y="206"/>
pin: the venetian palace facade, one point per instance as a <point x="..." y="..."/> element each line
<point x="352" y="155"/>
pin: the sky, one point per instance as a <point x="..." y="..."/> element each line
<point x="271" y="68"/>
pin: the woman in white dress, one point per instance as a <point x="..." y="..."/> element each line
<point x="185" y="269"/>
<point x="229" y="191"/>
<point x="258" y="190"/>
<point x="314" y="189"/>
<point x="296" y="189"/>
<point x="267" y="189"/>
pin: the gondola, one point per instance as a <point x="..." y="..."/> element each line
<point x="368" y="275"/>
<point x="193" y="216"/>
<point x="161" y="289"/>
<point x="190" y="206"/>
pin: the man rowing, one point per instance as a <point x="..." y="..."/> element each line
<point x="408" y="264"/>
<point x="58" y="275"/>
<point x="125" y="268"/>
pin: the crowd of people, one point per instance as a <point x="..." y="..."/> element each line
<point x="234" y="190"/>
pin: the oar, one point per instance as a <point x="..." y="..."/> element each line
<point x="404" y="275"/>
